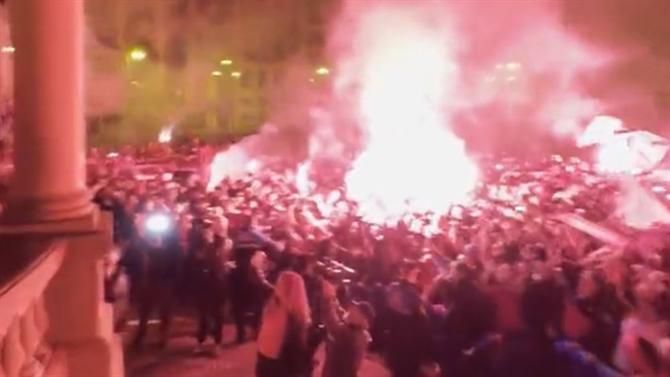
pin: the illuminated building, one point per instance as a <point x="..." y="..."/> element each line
<point x="250" y="42"/>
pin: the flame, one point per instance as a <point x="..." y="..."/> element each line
<point x="405" y="79"/>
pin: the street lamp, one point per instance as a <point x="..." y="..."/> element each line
<point x="137" y="54"/>
<point x="226" y="62"/>
<point x="217" y="73"/>
<point x="236" y="74"/>
<point x="322" y="71"/>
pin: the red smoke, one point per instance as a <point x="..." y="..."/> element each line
<point x="523" y="80"/>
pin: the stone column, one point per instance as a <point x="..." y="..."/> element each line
<point x="48" y="185"/>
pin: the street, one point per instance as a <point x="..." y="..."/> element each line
<point x="178" y="358"/>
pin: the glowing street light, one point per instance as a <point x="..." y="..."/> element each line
<point x="236" y="74"/>
<point x="8" y="49"/>
<point x="226" y="62"/>
<point x="137" y="54"/>
<point x="322" y="71"/>
<point x="217" y="73"/>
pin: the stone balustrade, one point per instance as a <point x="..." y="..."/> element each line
<point x="24" y="322"/>
<point x="53" y="318"/>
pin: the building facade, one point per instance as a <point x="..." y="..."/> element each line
<point x="214" y="64"/>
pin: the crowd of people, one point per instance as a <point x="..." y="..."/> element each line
<point x="500" y="287"/>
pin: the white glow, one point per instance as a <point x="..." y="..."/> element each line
<point x="638" y="208"/>
<point x="137" y="54"/>
<point x="165" y="136"/>
<point x="322" y="71"/>
<point x="405" y="80"/>
<point x="601" y="130"/>
<point x="619" y="150"/>
<point x="302" y="182"/>
<point x="233" y="163"/>
<point x="157" y="223"/>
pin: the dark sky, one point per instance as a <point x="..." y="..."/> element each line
<point x="638" y="83"/>
<point x="622" y="24"/>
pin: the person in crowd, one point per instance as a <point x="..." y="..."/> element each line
<point x="530" y="352"/>
<point x="347" y="334"/>
<point x="597" y="300"/>
<point x="122" y="220"/>
<point x="509" y="290"/>
<point x="247" y="289"/>
<point x="282" y="339"/>
<point x="645" y="331"/>
<point x="208" y="280"/>
<point x="159" y="259"/>
<point x="469" y="320"/>
<point x="539" y="350"/>
<point x="409" y="345"/>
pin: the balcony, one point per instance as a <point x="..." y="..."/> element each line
<point x="53" y="318"/>
<point x="55" y="322"/>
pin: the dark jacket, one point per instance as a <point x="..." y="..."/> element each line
<point x="528" y="354"/>
<point x="207" y="271"/>
<point x="345" y="344"/>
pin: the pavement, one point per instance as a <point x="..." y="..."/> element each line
<point x="178" y="359"/>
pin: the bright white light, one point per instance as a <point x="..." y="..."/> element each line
<point x="137" y="54"/>
<point x="405" y="79"/>
<point x="236" y="74"/>
<point x="322" y="71"/>
<point x="232" y="163"/>
<point x="157" y="223"/>
<point x="658" y="189"/>
<point x="513" y="66"/>
<point x="226" y="62"/>
<point x="601" y="130"/>
<point x="165" y="136"/>
<point x="302" y="182"/>
<point x="619" y="150"/>
<point x="217" y="73"/>
<point x="8" y="49"/>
